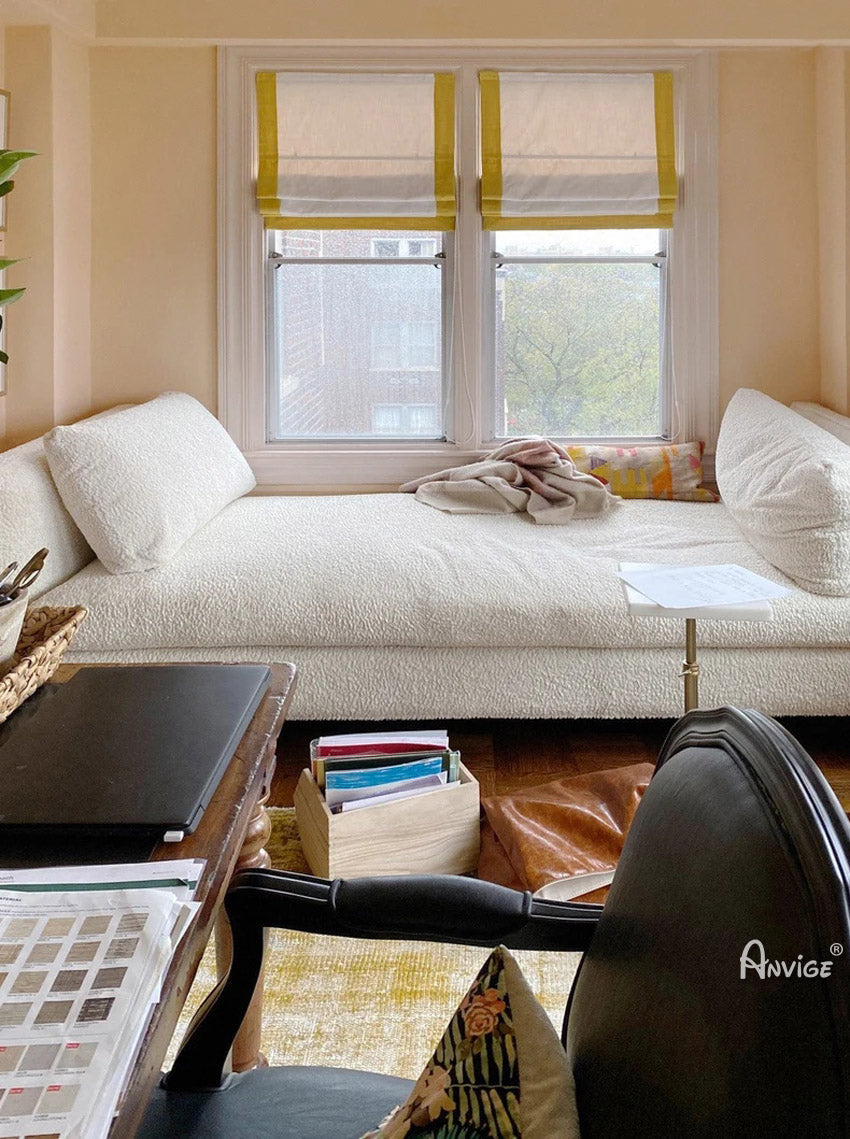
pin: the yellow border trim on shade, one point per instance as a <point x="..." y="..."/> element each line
<point x="615" y="221"/>
<point x="445" y="193"/>
<point x="665" y="143"/>
<point x="442" y="224"/>
<point x="491" y="149"/>
<point x="267" y="147"/>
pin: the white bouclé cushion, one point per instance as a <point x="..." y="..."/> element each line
<point x="32" y="515"/>
<point x="825" y="417"/>
<point x="786" y="482"/>
<point x="143" y="480"/>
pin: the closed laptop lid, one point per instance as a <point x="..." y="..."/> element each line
<point x="134" y="748"/>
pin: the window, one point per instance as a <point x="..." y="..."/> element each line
<point x="404" y="246"/>
<point x="403" y="419"/>
<point x="405" y="345"/>
<point x="580" y="333"/>
<point x="359" y="355"/>
<point x="354" y="320"/>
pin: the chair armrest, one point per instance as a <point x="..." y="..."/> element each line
<point x="442" y="908"/>
<point x="429" y="908"/>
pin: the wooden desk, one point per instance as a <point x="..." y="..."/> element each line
<point x="230" y="836"/>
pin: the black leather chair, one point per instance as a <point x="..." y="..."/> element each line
<point x="738" y="843"/>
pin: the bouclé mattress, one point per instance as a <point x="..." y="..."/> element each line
<point x="391" y="609"/>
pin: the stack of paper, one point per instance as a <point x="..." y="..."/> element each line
<point x="83" y="951"/>
<point x="359" y="770"/>
<point x="692" y="587"/>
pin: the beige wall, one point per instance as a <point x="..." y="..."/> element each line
<point x="29" y="324"/>
<point x="615" y="20"/>
<point x="151" y="228"/>
<point x="72" y="240"/>
<point x="2" y="236"/>
<point x="49" y="329"/>
<point x="154" y="236"/>
<point x="768" y="226"/>
<point x="833" y="90"/>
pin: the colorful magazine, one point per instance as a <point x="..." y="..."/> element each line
<point x="342" y="785"/>
<point x="320" y="766"/>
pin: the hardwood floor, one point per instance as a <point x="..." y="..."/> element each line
<point x="507" y="754"/>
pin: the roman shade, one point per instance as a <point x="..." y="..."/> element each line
<point x="577" y="150"/>
<point x="356" y="150"/>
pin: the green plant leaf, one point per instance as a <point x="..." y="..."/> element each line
<point x="6" y="188"/>
<point x="4" y="359"/>
<point x="7" y="262"/>
<point x="9" y="296"/>
<point x="10" y="160"/>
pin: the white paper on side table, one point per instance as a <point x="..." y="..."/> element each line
<point x="694" y="587"/>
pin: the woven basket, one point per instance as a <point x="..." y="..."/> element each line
<point x="45" y="635"/>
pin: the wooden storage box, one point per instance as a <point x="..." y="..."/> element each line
<point x="434" y="833"/>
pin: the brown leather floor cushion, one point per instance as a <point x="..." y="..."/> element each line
<point x="571" y="826"/>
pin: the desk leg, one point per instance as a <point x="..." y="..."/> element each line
<point x="252" y="856"/>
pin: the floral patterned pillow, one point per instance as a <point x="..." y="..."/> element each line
<point x="498" y="1072"/>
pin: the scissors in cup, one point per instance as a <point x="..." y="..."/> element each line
<point x="25" y="576"/>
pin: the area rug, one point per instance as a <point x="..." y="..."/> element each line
<point x="374" y="1005"/>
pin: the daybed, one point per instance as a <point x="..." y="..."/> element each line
<point x="392" y="609"/>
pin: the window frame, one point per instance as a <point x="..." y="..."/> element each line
<point x="692" y="263"/>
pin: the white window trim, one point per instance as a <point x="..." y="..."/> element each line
<point x="242" y="398"/>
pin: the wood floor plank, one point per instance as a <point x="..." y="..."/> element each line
<point x="827" y="740"/>
<point x="507" y="754"/>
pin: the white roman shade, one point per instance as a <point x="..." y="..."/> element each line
<point x="355" y="151"/>
<point x="577" y="150"/>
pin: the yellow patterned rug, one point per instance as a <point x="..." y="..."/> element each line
<point x="375" y="1005"/>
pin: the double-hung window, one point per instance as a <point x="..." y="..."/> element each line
<point x="356" y="186"/>
<point x="437" y="256"/>
<point x="580" y="334"/>
<point x="355" y="320"/>
<point x="579" y="189"/>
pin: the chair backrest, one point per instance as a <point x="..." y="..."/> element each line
<point x="715" y="996"/>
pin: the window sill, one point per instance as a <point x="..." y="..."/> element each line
<point x="337" y="468"/>
<point x="341" y="466"/>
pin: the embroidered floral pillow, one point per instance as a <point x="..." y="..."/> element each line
<point x="667" y="470"/>
<point x="499" y="1071"/>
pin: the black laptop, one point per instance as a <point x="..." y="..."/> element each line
<point x="135" y="752"/>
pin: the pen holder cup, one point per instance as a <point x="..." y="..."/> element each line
<point x="11" y="620"/>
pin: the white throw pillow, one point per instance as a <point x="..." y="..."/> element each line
<point x="33" y="515"/>
<point x="825" y="417"/>
<point x="140" y="482"/>
<point x="786" y="482"/>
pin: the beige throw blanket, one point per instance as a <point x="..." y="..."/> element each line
<point x="532" y="474"/>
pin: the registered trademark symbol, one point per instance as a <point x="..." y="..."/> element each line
<point x="836" y="949"/>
